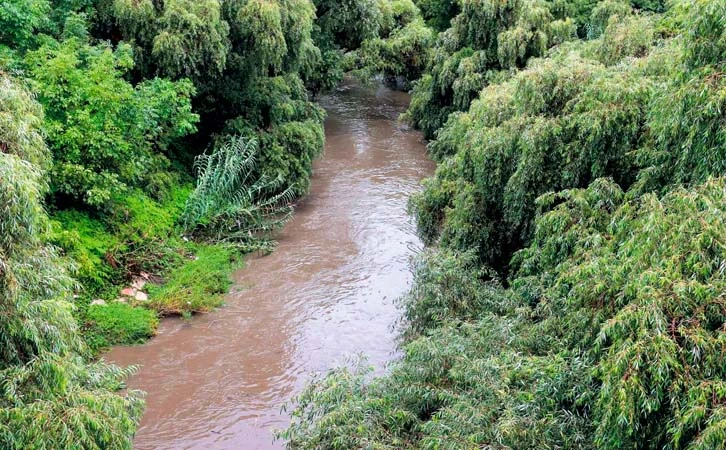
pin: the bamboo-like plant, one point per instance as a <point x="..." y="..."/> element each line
<point x="231" y="202"/>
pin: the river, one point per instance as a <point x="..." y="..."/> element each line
<point x="324" y="295"/>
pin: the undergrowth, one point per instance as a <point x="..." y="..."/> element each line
<point x="198" y="284"/>
<point x="140" y="236"/>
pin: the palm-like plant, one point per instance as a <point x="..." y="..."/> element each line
<point x="232" y="202"/>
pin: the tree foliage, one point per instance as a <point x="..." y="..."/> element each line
<point x="438" y="13"/>
<point x="400" y="56"/>
<point x="488" y="39"/>
<point x="247" y="60"/>
<point x="19" y="19"/>
<point x="686" y="119"/>
<point x="50" y="397"/>
<point x="183" y="39"/>
<point x="560" y="123"/>
<point x="105" y="133"/>
<point x="631" y="359"/>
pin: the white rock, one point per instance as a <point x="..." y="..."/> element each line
<point x="141" y="296"/>
<point x="138" y="283"/>
<point x="98" y="302"/>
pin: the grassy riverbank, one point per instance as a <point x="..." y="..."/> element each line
<point x="140" y="240"/>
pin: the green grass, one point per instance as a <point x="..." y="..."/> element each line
<point x="137" y="215"/>
<point x="199" y="284"/>
<point x="140" y="235"/>
<point x="117" y="324"/>
<point x="89" y="244"/>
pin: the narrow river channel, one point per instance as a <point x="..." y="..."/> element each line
<point x="327" y="292"/>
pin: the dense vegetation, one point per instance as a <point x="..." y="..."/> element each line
<point x="49" y="396"/>
<point x="572" y="294"/>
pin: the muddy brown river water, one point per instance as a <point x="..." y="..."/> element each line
<point x="325" y="294"/>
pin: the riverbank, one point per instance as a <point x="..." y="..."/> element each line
<point x="134" y="267"/>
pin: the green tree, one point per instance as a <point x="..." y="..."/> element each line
<point x="687" y="119"/>
<point x="19" y="19"/>
<point x="401" y="53"/>
<point x="561" y="123"/>
<point x="183" y="39"/>
<point x="105" y="133"/>
<point x="50" y="397"/>
<point x="604" y="327"/>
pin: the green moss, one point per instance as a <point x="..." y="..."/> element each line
<point x="117" y="324"/>
<point x="140" y="217"/>
<point x="199" y="284"/>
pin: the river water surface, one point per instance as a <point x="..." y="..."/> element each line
<point x="325" y="294"/>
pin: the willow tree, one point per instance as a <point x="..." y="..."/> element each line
<point x="247" y="59"/>
<point x="50" y="397"/>
<point x="272" y="50"/>
<point x="687" y="119"/>
<point x="348" y="22"/>
<point x="488" y="39"/>
<point x="181" y="39"/>
<point x="485" y="37"/>
<point x="400" y="53"/>
<point x="560" y="123"/>
<point x="628" y="105"/>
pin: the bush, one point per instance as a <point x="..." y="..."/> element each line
<point x="229" y="204"/>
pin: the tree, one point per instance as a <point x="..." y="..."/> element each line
<point x="50" y="397"/>
<point x="105" y="133"/>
